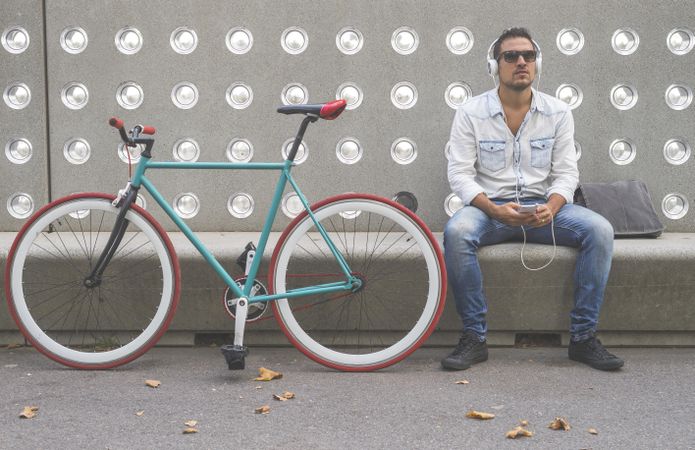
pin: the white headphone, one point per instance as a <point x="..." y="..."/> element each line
<point x="493" y="66"/>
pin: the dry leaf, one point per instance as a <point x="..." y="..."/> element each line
<point x="462" y="382"/>
<point x="140" y="413"/>
<point x="267" y="375"/>
<point x="189" y="430"/>
<point x="13" y="345"/>
<point x="29" y="412"/>
<point x="593" y="431"/>
<point x="524" y="423"/>
<point x="560" y="423"/>
<point x="191" y="423"/>
<point x="265" y="409"/>
<point x="518" y="432"/>
<point x="284" y="396"/>
<point x="480" y="415"/>
<point x="153" y="383"/>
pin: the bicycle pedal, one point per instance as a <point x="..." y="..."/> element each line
<point x="241" y="260"/>
<point x="235" y="355"/>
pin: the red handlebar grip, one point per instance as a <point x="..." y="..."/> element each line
<point x="116" y="123"/>
<point x="148" y="130"/>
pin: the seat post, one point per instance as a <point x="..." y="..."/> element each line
<point x="300" y="135"/>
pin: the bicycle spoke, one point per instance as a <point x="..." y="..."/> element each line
<point x="65" y="313"/>
<point x="84" y="240"/>
<point x="86" y="321"/>
<point x="130" y="269"/>
<point x="311" y="253"/>
<point x="123" y="246"/>
<point x="148" y="314"/>
<point x="77" y="239"/>
<point x="67" y="257"/>
<point x="96" y="238"/>
<point x="128" y="272"/>
<point x="53" y="294"/>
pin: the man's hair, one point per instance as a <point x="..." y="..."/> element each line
<point x="509" y="33"/>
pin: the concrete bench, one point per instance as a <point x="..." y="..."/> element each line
<point x="650" y="299"/>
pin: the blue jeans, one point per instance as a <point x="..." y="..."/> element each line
<point x="575" y="226"/>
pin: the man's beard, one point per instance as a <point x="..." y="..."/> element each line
<point x="519" y="86"/>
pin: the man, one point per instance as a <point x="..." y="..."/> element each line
<point x="514" y="146"/>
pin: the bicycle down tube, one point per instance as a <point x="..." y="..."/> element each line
<point x="139" y="179"/>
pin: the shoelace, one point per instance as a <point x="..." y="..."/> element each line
<point x="465" y="343"/>
<point x="599" y="350"/>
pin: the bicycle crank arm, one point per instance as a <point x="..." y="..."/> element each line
<point x="235" y="354"/>
<point x="242" y="308"/>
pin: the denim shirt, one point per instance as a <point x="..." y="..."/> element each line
<point x="486" y="157"/>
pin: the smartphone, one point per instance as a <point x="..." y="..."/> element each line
<point x="527" y="209"/>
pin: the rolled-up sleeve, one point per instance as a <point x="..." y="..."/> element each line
<point x="564" y="175"/>
<point x="461" y="159"/>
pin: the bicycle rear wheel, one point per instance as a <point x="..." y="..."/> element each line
<point x="404" y="283"/>
<point x="91" y="327"/>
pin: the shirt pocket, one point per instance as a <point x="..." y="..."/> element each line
<point x="492" y="155"/>
<point x="541" y="149"/>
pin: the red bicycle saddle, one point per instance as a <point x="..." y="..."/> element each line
<point x="328" y="111"/>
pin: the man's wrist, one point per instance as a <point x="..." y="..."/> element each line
<point x="494" y="210"/>
<point x="484" y="204"/>
<point x="556" y="202"/>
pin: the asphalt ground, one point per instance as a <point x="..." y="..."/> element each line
<point x="648" y="404"/>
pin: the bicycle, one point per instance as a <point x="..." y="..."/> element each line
<point x="84" y="262"/>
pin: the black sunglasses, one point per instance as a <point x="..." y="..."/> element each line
<point x="513" y="56"/>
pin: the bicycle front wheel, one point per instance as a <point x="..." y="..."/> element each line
<point x="91" y="327"/>
<point x="403" y="279"/>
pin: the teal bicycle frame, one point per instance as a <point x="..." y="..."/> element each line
<point x="139" y="179"/>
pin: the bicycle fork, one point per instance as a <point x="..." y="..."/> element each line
<point x="124" y="199"/>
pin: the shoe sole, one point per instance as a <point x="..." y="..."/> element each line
<point x="451" y="366"/>
<point x="607" y="367"/>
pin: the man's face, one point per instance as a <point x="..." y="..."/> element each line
<point x="517" y="75"/>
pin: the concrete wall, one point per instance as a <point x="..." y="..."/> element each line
<point x="47" y="68"/>
<point x="27" y="126"/>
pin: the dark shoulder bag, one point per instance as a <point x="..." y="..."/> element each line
<point x="626" y="204"/>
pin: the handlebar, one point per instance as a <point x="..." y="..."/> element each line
<point x="132" y="137"/>
<point x="136" y="130"/>
<point x="116" y="123"/>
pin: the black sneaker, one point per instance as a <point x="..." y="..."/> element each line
<point x="590" y="351"/>
<point x="470" y="350"/>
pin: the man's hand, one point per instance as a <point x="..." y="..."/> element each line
<point x="543" y="215"/>
<point x="508" y="213"/>
<point x="545" y="212"/>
